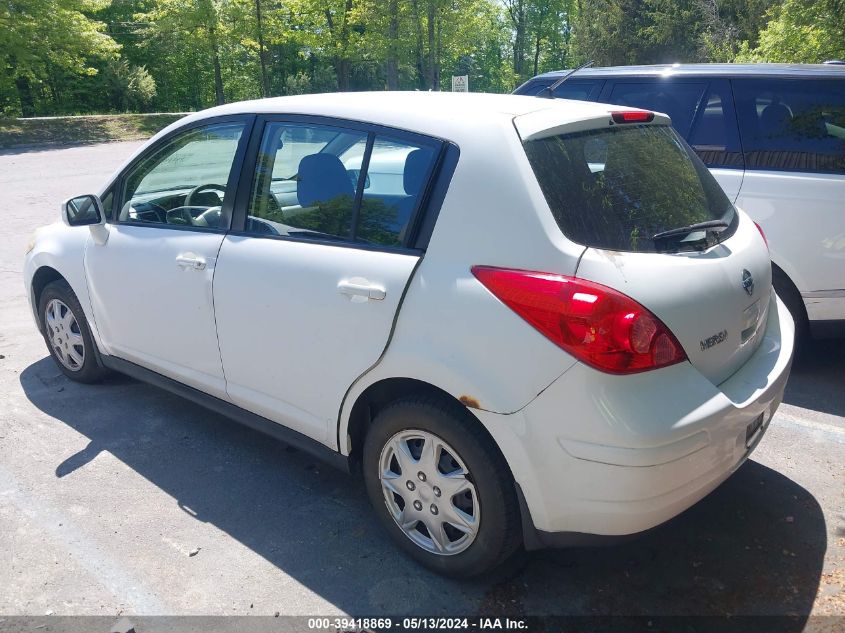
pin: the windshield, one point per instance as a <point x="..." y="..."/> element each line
<point x="617" y="188"/>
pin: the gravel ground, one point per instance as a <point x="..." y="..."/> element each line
<point x="122" y="499"/>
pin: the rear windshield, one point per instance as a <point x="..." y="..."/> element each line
<point x="616" y="188"/>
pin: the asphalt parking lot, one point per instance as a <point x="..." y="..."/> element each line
<point x="122" y="499"/>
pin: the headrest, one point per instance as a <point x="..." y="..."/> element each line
<point x="322" y="177"/>
<point x="774" y="120"/>
<point x="416" y="169"/>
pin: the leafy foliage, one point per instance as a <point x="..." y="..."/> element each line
<point x="78" y="56"/>
<point x="805" y="31"/>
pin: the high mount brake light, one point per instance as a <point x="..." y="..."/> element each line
<point x="598" y="325"/>
<point x="632" y="116"/>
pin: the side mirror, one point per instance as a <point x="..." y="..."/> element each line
<point x="84" y="210"/>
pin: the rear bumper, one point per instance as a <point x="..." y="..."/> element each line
<point x="596" y="454"/>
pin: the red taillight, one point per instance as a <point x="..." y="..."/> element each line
<point x="594" y="323"/>
<point x="632" y="116"/>
<point x="760" y="228"/>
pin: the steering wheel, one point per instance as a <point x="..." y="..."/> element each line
<point x="199" y="188"/>
<point x="209" y="217"/>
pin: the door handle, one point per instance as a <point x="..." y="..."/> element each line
<point x="190" y="260"/>
<point x="360" y="287"/>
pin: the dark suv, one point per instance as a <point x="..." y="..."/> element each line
<point x="773" y="135"/>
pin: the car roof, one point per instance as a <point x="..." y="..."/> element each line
<point x="419" y="111"/>
<point x="462" y="118"/>
<point x="709" y="70"/>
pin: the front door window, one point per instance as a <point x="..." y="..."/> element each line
<point x="184" y="182"/>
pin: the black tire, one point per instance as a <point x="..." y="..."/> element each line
<point x="499" y="536"/>
<point x="791" y="298"/>
<point x="90" y="370"/>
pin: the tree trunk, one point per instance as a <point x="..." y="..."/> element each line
<point x="420" y="56"/>
<point x="218" y="80"/>
<point x="265" y="81"/>
<point x="517" y="11"/>
<point x="215" y="54"/>
<point x="431" y="45"/>
<point x="25" y="96"/>
<point x="537" y="54"/>
<point x="439" y="54"/>
<point x="342" y="66"/>
<point x="343" y="69"/>
<point x="392" y="46"/>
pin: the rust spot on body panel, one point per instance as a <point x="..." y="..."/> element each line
<point x="470" y="402"/>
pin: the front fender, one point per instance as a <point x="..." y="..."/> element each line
<point x="61" y="248"/>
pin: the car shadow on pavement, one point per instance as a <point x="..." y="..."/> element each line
<point x="754" y="546"/>
<point x="818" y="376"/>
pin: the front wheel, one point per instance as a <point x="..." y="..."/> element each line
<point x="67" y="334"/>
<point x="440" y="487"/>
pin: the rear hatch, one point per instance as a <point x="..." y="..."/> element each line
<point x="657" y="227"/>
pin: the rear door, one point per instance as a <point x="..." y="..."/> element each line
<point x="309" y="281"/>
<point x="613" y="188"/>
<point x="793" y="134"/>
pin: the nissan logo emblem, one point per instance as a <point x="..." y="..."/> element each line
<point x="747" y="282"/>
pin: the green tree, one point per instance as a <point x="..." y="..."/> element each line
<point x="800" y="31"/>
<point x="130" y="87"/>
<point x="673" y="31"/>
<point x="608" y="32"/>
<point x="42" y="42"/>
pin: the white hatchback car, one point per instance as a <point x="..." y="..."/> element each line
<point x="523" y="320"/>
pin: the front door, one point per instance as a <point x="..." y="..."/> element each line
<point x="151" y="282"/>
<point x="309" y="282"/>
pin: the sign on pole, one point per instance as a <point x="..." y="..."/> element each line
<point x="460" y="83"/>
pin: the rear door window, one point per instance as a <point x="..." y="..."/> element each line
<point x="302" y="188"/>
<point x="396" y="177"/>
<point x="714" y="135"/>
<point x="678" y="99"/>
<point x="615" y="188"/>
<point x="792" y="124"/>
<point x="329" y="183"/>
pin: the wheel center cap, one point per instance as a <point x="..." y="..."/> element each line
<point x="424" y="491"/>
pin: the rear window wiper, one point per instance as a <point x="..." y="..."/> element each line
<point x="710" y="225"/>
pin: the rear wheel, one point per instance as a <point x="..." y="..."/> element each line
<point x="440" y="487"/>
<point x="67" y="334"/>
